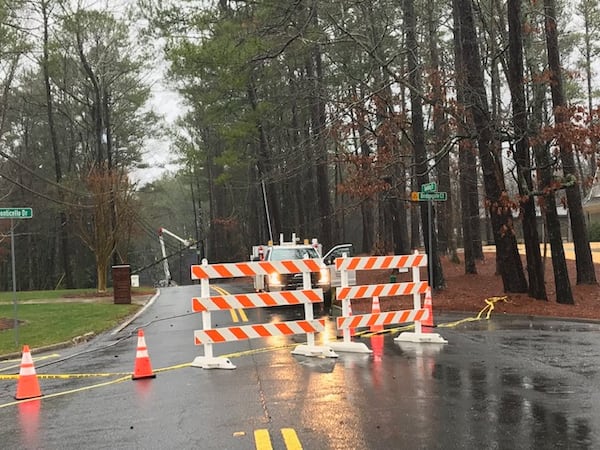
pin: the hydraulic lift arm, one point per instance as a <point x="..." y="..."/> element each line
<point x="187" y="243"/>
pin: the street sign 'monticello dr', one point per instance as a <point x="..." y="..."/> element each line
<point x="16" y="213"/>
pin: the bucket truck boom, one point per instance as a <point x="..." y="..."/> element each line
<point x="188" y="243"/>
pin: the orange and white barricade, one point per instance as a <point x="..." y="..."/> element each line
<point x="207" y="303"/>
<point x="416" y="287"/>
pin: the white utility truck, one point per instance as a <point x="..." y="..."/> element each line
<point x="327" y="279"/>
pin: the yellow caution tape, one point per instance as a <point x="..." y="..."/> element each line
<point x="489" y="307"/>
<point x="65" y="376"/>
<point x="72" y="391"/>
<point x="9" y="377"/>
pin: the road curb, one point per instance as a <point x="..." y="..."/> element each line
<point x="137" y="314"/>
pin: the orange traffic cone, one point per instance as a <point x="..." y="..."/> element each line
<point x="375" y="309"/>
<point x="27" y="385"/>
<point x="143" y="368"/>
<point x="428" y="305"/>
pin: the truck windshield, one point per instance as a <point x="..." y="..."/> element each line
<point x="283" y="254"/>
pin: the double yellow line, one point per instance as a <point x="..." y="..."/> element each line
<point x="263" y="439"/>
<point x="236" y="315"/>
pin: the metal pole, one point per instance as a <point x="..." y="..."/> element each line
<point x="14" y="280"/>
<point x="264" y="191"/>
<point x="429" y="257"/>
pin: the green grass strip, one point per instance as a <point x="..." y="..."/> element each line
<point x="43" y="324"/>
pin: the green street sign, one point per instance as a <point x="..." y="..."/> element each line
<point x="16" y="213"/>
<point x="429" y="187"/>
<point x="437" y="196"/>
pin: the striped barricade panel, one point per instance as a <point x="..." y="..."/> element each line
<point x="249" y="269"/>
<point x="382" y="290"/>
<point x="217" y="335"/>
<point x="384" y="318"/>
<point x="258" y="300"/>
<point x="381" y="262"/>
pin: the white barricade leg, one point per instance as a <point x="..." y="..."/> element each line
<point x="314" y="350"/>
<point x="346" y="345"/>
<point x="432" y="338"/>
<point x="205" y="362"/>
<point x="419" y="336"/>
<point x="310" y="349"/>
<point x="208" y="361"/>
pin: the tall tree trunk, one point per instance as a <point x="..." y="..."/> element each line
<point x="587" y="7"/>
<point x="297" y="182"/>
<point x="363" y="150"/>
<point x="101" y="274"/>
<point x="585" y="266"/>
<point x="210" y="181"/>
<point x="545" y="175"/>
<point x="445" y="219"/>
<point x="415" y="229"/>
<point x="468" y="171"/>
<point x="385" y="146"/>
<point x="467" y="166"/>
<point x="264" y="166"/>
<point x="63" y="223"/>
<point x="367" y="207"/>
<point x="96" y="107"/>
<point x="420" y="153"/>
<point x="510" y="265"/>
<point x="319" y="122"/>
<point x="535" y="269"/>
<point x="548" y="202"/>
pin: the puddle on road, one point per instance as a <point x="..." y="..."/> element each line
<point x="513" y="410"/>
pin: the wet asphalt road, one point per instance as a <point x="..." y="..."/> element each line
<point x="505" y="383"/>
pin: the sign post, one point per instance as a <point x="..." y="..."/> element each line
<point x="428" y="194"/>
<point x="15" y="213"/>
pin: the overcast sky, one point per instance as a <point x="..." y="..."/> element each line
<point x="157" y="154"/>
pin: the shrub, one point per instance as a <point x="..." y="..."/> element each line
<point x="594" y="231"/>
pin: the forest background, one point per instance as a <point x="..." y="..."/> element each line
<point x="307" y="117"/>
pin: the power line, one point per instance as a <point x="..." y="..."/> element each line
<point x="39" y="194"/>
<point x="35" y="174"/>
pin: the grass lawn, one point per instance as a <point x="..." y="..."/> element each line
<point x="53" y="322"/>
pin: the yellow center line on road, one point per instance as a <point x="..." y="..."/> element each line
<point x="234" y="313"/>
<point x="243" y="315"/>
<point x="262" y="439"/>
<point x="291" y="439"/>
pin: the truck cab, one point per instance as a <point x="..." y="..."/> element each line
<point x="327" y="279"/>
